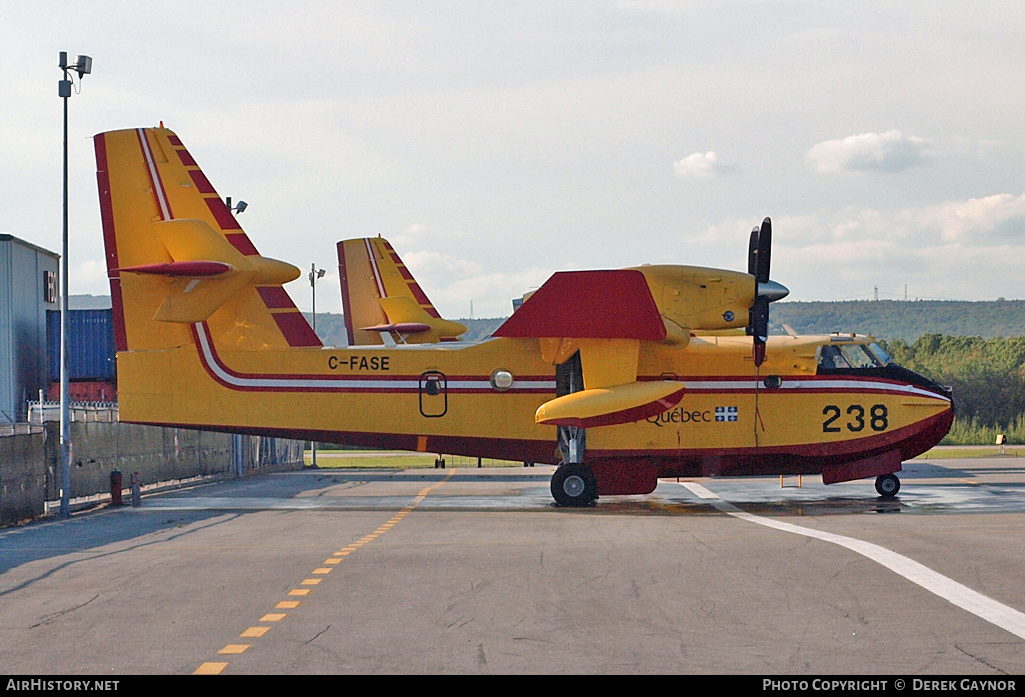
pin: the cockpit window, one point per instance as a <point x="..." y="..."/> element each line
<point x="850" y="356"/>
<point x="830" y="357"/>
<point x="858" y="356"/>
<point x="882" y="356"/>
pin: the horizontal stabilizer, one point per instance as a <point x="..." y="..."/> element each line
<point x="185" y="269"/>
<point x="609" y="406"/>
<point x="589" y="305"/>
<point x="405" y="312"/>
<point x="205" y="270"/>
<point x="400" y="327"/>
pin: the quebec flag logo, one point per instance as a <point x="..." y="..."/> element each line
<point x="725" y="413"/>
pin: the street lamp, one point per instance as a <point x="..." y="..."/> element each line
<point x="83" y="65"/>
<point x="315" y="275"/>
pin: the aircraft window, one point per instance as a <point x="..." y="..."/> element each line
<point x="830" y="357"/>
<point x="858" y="356"/>
<point x="881" y="355"/>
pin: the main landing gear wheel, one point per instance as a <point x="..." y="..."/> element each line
<point x="574" y="485"/>
<point x="887" y="485"/>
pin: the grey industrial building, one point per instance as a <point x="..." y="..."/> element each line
<point x="29" y="286"/>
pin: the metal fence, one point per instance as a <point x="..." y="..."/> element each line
<point x="41" y="412"/>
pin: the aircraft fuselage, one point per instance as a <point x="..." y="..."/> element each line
<point x="789" y="416"/>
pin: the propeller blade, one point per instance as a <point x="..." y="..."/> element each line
<point x="752" y="252"/>
<point x="760" y="327"/>
<point x="759" y="352"/>
<point x="759" y="251"/>
<point x="761" y="273"/>
<point x="752" y="267"/>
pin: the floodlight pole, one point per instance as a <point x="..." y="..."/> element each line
<point x="315" y="275"/>
<point x="83" y="65"/>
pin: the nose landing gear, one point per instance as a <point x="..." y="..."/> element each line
<point x="887" y="485"/>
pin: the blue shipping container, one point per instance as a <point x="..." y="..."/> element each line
<point x="90" y="345"/>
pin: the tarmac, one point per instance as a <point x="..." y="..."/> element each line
<point x="476" y="571"/>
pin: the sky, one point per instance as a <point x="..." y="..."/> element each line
<point x="494" y="143"/>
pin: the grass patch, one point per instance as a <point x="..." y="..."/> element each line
<point x="949" y="452"/>
<point x="376" y="460"/>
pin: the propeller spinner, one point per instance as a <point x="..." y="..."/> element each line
<point x="766" y="291"/>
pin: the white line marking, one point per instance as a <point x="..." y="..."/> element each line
<point x="373" y="265"/>
<point x="727" y="386"/>
<point x="327" y="382"/>
<point x="158" y="186"/>
<point x="963" y="597"/>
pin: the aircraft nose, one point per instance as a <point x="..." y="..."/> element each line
<point x="772" y="290"/>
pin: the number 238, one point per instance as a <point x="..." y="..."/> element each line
<point x="875" y="418"/>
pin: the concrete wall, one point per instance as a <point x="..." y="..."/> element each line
<point x="157" y="454"/>
<point x="22" y="478"/>
<point x="30" y="464"/>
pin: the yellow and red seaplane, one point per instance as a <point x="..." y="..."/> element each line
<point x="618" y="376"/>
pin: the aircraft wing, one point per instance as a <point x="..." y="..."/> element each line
<point x="589" y="304"/>
<point x="605" y="315"/>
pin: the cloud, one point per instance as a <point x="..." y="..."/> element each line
<point x="700" y="166"/>
<point x="870" y="152"/>
<point x="1001" y="216"/>
<point x="966" y="249"/>
<point x="452" y="283"/>
<point x="89" y="274"/>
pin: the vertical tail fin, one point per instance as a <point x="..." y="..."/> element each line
<point x="380" y="296"/>
<point x="176" y="255"/>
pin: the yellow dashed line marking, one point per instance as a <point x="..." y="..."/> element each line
<point x="216" y="667"/>
<point x="210" y="668"/>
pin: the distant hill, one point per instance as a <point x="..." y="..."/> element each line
<point x="331" y="328"/>
<point x="884" y="319"/>
<point x="897" y="319"/>
<point x="88" y="302"/>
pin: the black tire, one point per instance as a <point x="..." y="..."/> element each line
<point x="887" y="485"/>
<point x="574" y="485"/>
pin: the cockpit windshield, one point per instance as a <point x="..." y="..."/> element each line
<point x="882" y="356"/>
<point x="832" y="356"/>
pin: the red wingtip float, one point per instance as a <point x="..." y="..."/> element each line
<point x="621" y="376"/>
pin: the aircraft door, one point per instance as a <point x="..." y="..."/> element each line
<point x="433" y="394"/>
